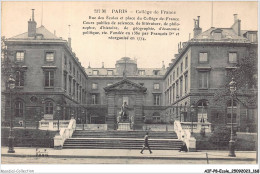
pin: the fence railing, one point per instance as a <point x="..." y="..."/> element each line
<point x="53" y="124"/>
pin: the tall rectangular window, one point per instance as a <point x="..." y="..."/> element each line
<point x="19" y="78"/>
<point x="170" y="79"/>
<point x="181" y="67"/>
<point x="141" y="72"/>
<point x="186" y="83"/>
<point x="65" y="81"/>
<point x="49" y="57"/>
<point x="203" y="80"/>
<point x="70" y="66"/>
<point x="173" y="76"/>
<point x="173" y="92"/>
<point x="203" y="57"/>
<point x="232" y="57"/>
<point x="156" y="99"/>
<point x="49" y="78"/>
<point x="177" y="72"/>
<point x="70" y="85"/>
<point x="177" y="88"/>
<point x="94" y="99"/>
<point x="181" y="87"/>
<point x="186" y="62"/>
<point x="19" y="56"/>
<point x="74" y="87"/>
<point x="65" y="60"/>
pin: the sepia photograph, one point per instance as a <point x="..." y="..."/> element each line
<point x="129" y="87"/>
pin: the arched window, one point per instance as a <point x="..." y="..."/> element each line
<point x="19" y="107"/>
<point x="203" y="111"/>
<point x="49" y="107"/>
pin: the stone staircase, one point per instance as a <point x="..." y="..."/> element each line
<point x="158" y="140"/>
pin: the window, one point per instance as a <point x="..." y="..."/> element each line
<point x="94" y="86"/>
<point x="235" y="110"/>
<point x="49" y="57"/>
<point x="95" y="72"/>
<point x="156" y="117"/>
<point x="70" y="85"/>
<point x="19" y="80"/>
<point x="186" y="62"/>
<point x="186" y="83"/>
<point x="181" y="87"/>
<point x="141" y="72"/>
<point x="49" y="78"/>
<point x="229" y="104"/>
<point x="49" y="107"/>
<point x="177" y="88"/>
<point x="65" y="60"/>
<point x="203" y="111"/>
<point x="173" y="76"/>
<point x="252" y="37"/>
<point x="110" y="72"/>
<point x="156" y="99"/>
<point x="19" y="56"/>
<point x="232" y="57"/>
<point x="177" y="72"/>
<point x="170" y="79"/>
<point x="203" y="57"/>
<point x="156" y="72"/>
<point x="18" y="109"/>
<point x="74" y="71"/>
<point x="65" y="81"/>
<point x="181" y="67"/>
<point x="94" y="99"/>
<point x="74" y="87"/>
<point x="173" y="92"/>
<point x="70" y="66"/>
<point x="156" y="86"/>
<point x="203" y="80"/>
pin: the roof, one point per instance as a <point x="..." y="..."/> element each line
<point x="125" y="84"/>
<point x="227" y="34"/>
<point x="47" y="35"/>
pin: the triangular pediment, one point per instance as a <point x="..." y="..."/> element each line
<point x="125" y="85"/>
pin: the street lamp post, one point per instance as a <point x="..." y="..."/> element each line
<point x="58" y="113"/>
<point x="11" y="84"/>
<point x="232" y="87"/>
<point x="82" y="118"/>
<point x="192" y="111"/>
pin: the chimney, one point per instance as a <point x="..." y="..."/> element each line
<point x="237" y="25"/>
<point x="102" y="64"/>
<point x="163" y="66"/>
<point x="89" y="65"/>
<point x="197" y="30"/>
<point x="235" y="17"/>
<point x="69" y="42"/>
<point x="32" y="26"/>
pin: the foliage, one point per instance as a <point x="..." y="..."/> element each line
<point x="220" y="136"/>
<point x="245" y="75"/>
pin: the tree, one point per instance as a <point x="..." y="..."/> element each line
<point x="245" y="75"/>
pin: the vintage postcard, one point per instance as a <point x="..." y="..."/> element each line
<point x="158" y="82"/>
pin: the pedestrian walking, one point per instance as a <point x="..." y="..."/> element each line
<point x="146" y="144"/>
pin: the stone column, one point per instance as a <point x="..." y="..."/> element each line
<point x="111" y="112"/>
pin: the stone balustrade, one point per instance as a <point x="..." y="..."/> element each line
<point x="53" y="124"/>
<point x="196" y="126"/>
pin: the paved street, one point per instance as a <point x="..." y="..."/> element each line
<point x="49" y="160"/>
<point x="124" y="156"/>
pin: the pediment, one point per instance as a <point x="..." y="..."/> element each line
<point x="125" y="85"/>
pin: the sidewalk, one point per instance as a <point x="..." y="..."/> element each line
<point x="131" y="154"/>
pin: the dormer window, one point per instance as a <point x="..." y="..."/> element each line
<point x="252" y="37"/>
<point x="141" y="72"/>
<point x="95" y="72"/>
<point x="232" y="57"/>
<point x="156" y="72"/>
<point x="217" y="34"/>
<point x="110" y="72"/>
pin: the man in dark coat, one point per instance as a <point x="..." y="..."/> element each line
<point x="146" y="144"/>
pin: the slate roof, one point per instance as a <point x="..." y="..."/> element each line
<point x="228" y="34"/>
<point x="47" y="35"/>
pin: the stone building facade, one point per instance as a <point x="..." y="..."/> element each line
<point x="47" y="73"/>
<point x="49" y="76"/>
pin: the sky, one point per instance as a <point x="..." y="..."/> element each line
<point x="94" y="50"/>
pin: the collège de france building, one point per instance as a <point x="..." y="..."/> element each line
<point x="48" y="75"/>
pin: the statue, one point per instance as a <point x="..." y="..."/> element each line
<point x="124" y="111"/>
